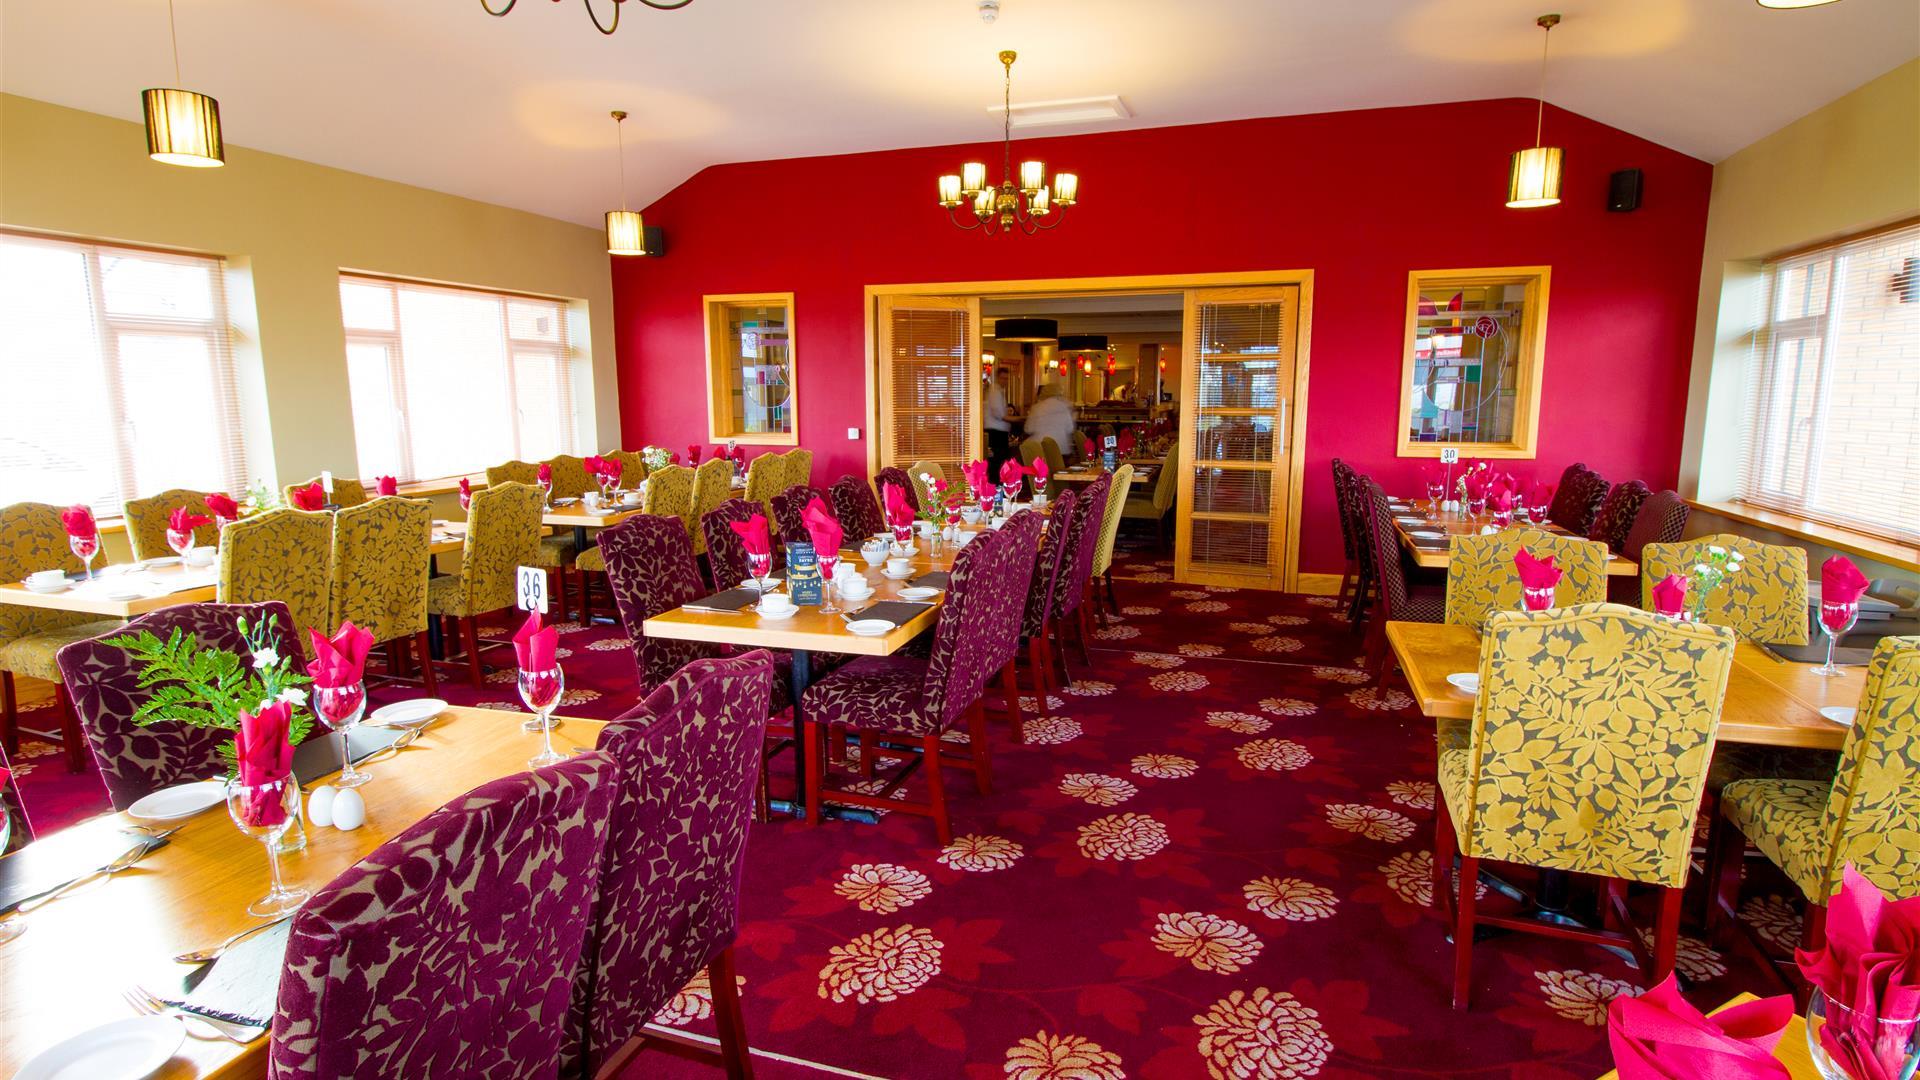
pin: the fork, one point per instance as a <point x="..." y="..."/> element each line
<point x="399" y="744"/>
<point x="201" y="956"/>
<point x="144" y="1003"/>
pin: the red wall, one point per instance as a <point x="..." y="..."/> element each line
<point x="1361" y="198"/>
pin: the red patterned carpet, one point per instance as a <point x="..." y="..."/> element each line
<point x="1211" y="859"/>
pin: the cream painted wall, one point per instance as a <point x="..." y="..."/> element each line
<point x="288" y="228"/>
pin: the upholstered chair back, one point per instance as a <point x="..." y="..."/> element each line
<point x="726" y="555"/>
<point x="103" y="681"/>
<point x="452" y="949"/>
<point x="1355" y="496"/>
<point x="1109" y="523"/>
<point x="962" y="656"/>
<point x="1013" y="577"/>
<point x="1048" y="565"/>
<point x="346" y="491"/>
<point x="670" y="494"/>
<point x="513" y="472"/>
<point x="1388" y="562"/>
<point x="1030" y="450"/>
<point x="787" y="508"/>
<point x="897" y="476"/>
<point x="633" y="466"/>
<point x="19" y="829"/>
<point x="1568" y="497"/>
<point x="1089" y="515"/>
<point x="570" y="479"/>
<point x="1662" y="519"/>
<point x="33" y="539"/>
<point x="380" y="564"/>
<point x="1765" y="602"/>
<point x="1343" y="505"/>
<point x="1585" y="493"/>
<point x="1056" y="461"/>
<point x="284" y="555"/>
<point x="799" y="466"/>
<point x="650" y="570"/>
<point x="1873" y="812"/>
<point x="1482" y="578"/>
<point x="147" y="522"/>
<point x="1166" y="483"/>
<point x="766" y="477"/>
<point x="503" y="534"/>
<point x="669" y="898"/>
<point x="1590" y="741"/>
<point x="856" y="508"/>
<point x="1073" y="528"/>
<point x="921" y="496"/>
<point x="712" y="483"/>
<point x="1615" y="519"/>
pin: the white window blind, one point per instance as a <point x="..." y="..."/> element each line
<point x="448" y="381"/>
<point x="929" y="381"/>
<point x="1832" y="425"/>
<point x="118" y="368"/>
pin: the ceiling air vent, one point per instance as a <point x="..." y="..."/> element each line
<point x="1087" y="110"/>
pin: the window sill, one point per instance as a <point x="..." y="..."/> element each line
<point x="1879" y="549"/>
<point x="445" y="485"/>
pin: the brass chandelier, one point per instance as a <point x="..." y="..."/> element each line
<point x="1029" y="205"/>
<point x="605" y="28"/>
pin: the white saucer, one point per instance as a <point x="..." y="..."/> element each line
<point x="853" y="597"/>
<point x="124" y="594"/>
<point x="47" y="590"/>
<point x="407" y="713"/>
<point x="776" y="615"/>
<point x="1467" y="682"/>
<point x="1839" y="714"/>
<point x="897" y="577"/>
<point x="1427" y="534"/>
<point x="179" y="801"/>
<point x="1410" y="519"/>
<point x="870" y="627"/>
<point x="919" y="592"/>
<point x="122" y="1050"/>
<point x="164" y="560"/>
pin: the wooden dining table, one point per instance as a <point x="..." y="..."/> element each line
<point x="1769" y="702"/>
<point x="1412" y="516"/>
<point x="65" y="973"/>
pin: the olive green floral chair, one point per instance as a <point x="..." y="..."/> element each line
<point x="284" y="555"/>
<point x="926" y="468"/>
<point x="712" y="485"/>
<point x="570" y="479"/>
<point x="557" y="552"/>
<point x="503" y="534"/>
<point x="513" y="472"/>
<point x="1482" y="579"/>
<point x="670" y="494"/>
<point x="1109" y="525"/>
<point x="381" y="555"/>
<point x="346" y="492"/>
<point x="1867" y="814"/>
<point x="766" y="477"/>
<point x="633" y="467"/>
<point x="32" y="539"/>
<point x="1587" y="753"/>
<point x="799" y="467"/>
<point x="1765" y="602"/>
<point x="1157" y="507"/>
<point x="147" y="522"/>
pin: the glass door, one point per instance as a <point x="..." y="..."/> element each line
<point x="1236" y="444"/>
<point x="929" y="381"/>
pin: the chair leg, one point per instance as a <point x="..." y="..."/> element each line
<point x="1084" y="633"/>
<point x="1813" y="929"/>
<point x="1034" y="663"/>
<point x="1443" y="851"/>
<point x="977" y="743"/>
<point x="734" y="1054"/>
<point x="811" y="744"/>
<point x="71" y="739"/>
<point x="427" y="678"/>
<point x="1113" y="601"/>
<point x="9" y="716"/>
<point x="866" y="756"/>
<point x="586" y="597"/>
<point x="936" y="790"/>
<point x="1463" y="931"/>
<point x="470" y="640"/>
<point x="1666" y="935"/>
<point x="1010" y="688"/>
<point x="1726" y="851"/>
<point x="1058" y="650"/>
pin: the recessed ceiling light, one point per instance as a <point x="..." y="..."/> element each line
<point x="1087" y="110"/>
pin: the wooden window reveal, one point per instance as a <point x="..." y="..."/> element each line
<point x="1471" y="374"/>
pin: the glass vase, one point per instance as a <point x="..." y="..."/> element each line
<point x="1846" y="1045"/>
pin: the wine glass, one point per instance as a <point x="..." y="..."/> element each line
<point x="180" y="542"/>
<point x="541" y="691"/>
<point x="1536" y="599"/>
<point x="84" y="549"/>
<point x="340" y="708"/>
<point x="1835" y="621"/>
<point x="1476" y="505"/>
<point x="829" y="562"/>
<point x="760" y="564"/>
<point x="546" y="492"/>
<point x="264" y="812"/>
<point x="1435" y="489"/>
<point x="903" y="535"/>
<point x="466" y="501"/>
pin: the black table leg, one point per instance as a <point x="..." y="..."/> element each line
<point x="580" y="538"/>
<point x="807" y="771"/>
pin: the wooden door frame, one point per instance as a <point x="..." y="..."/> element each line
<point x="1130" y="283"/>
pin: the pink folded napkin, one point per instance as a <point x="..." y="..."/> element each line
<point x="740" y="455"/>
<point x="719" y="453"/>
<point x="1841" y="584"/>
<point x="223" y="507"/>
<point x="1659" y="1036"/>
<point x="822" y="527"/>
<point x="611" y="468"/>
<point x="1869" y="965"/>
<point x="1538" y="577"/>
<point x="753" y="534"/>
<point x="1041" y="469"/>
<point x="544" y="474"/>
<point x="1670" y="595"/>
<point x="1086" y="446"/>
<point x="1011" y="472"/>
<point x="1500" y="500"/>
<point x="387" y="485"/>
<point x="533" y="646"/>
<point x="1541" y="495"/>
<point x="466" y="493"/>
<point x="899" y="511"/>
<point x="340" y="660"/>
<point x="1124" y="444"/>
<point x="78" y="521"/>
<point x="183" y="520"/>
<point x="311" y="497"/>
<point x="263" y="754"/>
<point x="693" y="453"/>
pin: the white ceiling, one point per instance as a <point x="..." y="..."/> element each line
<point x="514" y="110"/>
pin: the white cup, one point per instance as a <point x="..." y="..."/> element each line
<point x="899" y="565"/>
<point x="47" y="577"/>
<point x="970" y="514"/>
<point x="775" y="604"/>
<point x="855" y="587"/>
<point x="199" y="556"/>
<point x="591" y="500"/>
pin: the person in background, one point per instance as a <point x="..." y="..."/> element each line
<point x="999" y="429"/>
<point x="1052" y="417"/>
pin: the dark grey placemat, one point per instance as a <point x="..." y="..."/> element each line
<point x="242" y="985"/>
<point x="320" y="755"/>
<point x="37" y="867"/>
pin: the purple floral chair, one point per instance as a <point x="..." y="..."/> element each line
<point x="1036" y="622"/>
<point x="787" y="506"/>
<point x="1577" y="501"/>
<point x="650" y="570"/>
<point x="13" y="809"/>
<point x="1661" y="519"/>
<point x="105" y="683"/>
<point x="669" y="900"/>
<point x="1395" y="600"/>
<point x="726" y="555"/>
<point x="897" y="476"/>
<point x="854" y="504"/>
<point x="1615" y="519"/>
<point x="1070" y="610"/>
<point x="452" y="949"/>
<point x="1021" y="538"/>
<point x="902" y="697"/>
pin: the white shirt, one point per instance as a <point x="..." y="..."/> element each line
<point x="1052" y="418"/>
<point x="997" y="408"/>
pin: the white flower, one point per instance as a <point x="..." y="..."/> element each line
<point x="265" y="658"/>
<point x="293" y="695"/>
<point x="1716" y="549"/>
<point x="1702" y="568"/>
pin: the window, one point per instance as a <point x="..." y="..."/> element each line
<point x="1474" y="348"/>
<point x="448" y="381"/>
<point x="1832" y="424"/>
<point x="118" y="368"/>
<point x="750" y="372"/>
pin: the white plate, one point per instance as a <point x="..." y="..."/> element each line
<point x="758" y="585"/>
<point x="909" y="572"/>
<point x="164" y="560"/>
<point x="408" y="713"/>
<point x="870" y="627"/>
<point x="775" y="615"/>
<point x="1839" y="714"/>
<point x="47" y="590"/>
<point x="919" y="592"/>
<point x="181" y="800"/>
<point x="123" y="1050"/>
<point x="1427" y="534"/>
<point x="1467" y="682"/>
<point x="1410" y="519"/>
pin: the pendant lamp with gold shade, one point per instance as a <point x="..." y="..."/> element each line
<point x="626" y="233"/>
<point x="1534" y="179"/>
<point x="183" y="126"/>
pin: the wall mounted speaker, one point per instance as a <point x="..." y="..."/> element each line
<point x="1623" y="191"/>
<point x="656" y="240"/>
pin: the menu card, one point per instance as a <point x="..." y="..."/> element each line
<point x="803" y="573"/>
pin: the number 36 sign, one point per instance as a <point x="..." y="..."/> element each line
<point x="530" y="593"/>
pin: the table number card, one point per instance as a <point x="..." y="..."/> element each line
<point x="530" y="593"/>
<point x="1449" y="455"/>
<point x="1109" y="456"/>
<point x="803" y="573"/>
